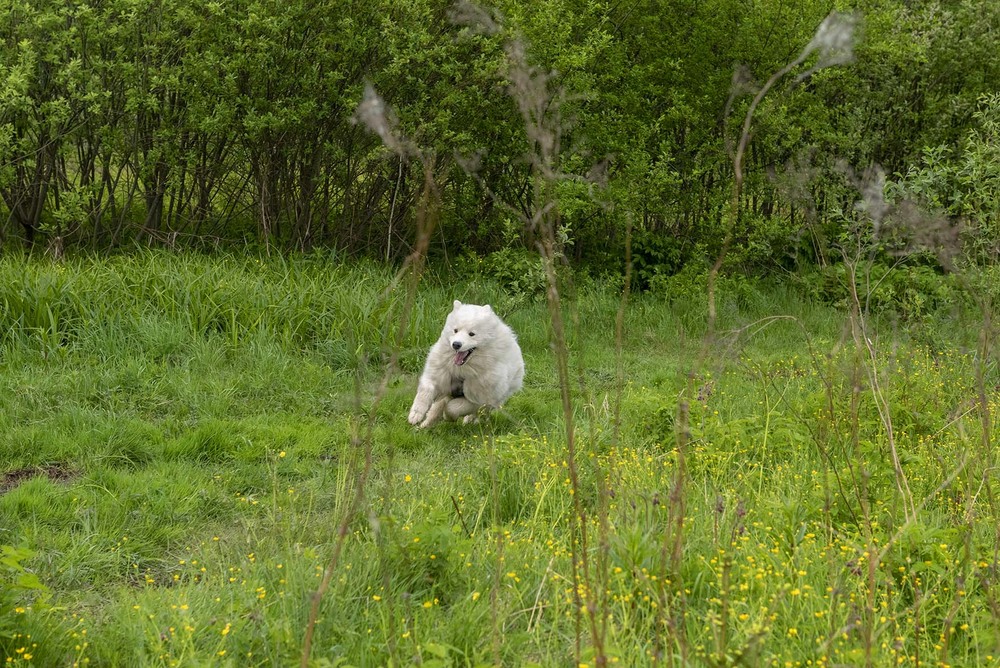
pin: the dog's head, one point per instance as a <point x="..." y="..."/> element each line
<point x="467" y="327"/>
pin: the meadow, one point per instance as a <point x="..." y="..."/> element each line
<point x="191" y="446"/>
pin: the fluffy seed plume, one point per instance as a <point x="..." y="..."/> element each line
<point x="377" y="117"/>
<point x="904" y="226"/>
<point x="834" y="41"/>
<point x="477" y="19"/>
<point x="872" y="202"/>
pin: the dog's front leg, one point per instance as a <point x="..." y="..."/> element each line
<point x="435" y="412"/>
<point x="422" y="402"/>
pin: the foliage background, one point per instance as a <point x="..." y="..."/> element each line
<point x="181" y="123"/>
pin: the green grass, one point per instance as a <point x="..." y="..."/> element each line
<point x="187" y="432"/>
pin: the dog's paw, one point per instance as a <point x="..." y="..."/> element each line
<point x="418" y="411"/>
<point x="470" y="419"/>
<point x="422" y="403"/>
<point x="418" y="414"/>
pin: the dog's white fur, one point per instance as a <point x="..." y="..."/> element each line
<point x="473" y="368"/>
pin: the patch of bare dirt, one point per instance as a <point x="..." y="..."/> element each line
<point x="54" y="472"/>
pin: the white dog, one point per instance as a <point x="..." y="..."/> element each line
<point x="474" y="367"/>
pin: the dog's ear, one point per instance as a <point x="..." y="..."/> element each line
<point x="488" y="308"/>
<point x="457" y="304"/>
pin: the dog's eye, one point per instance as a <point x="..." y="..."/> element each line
<point x="472" y="333"/>
<point x="456" y="331"/>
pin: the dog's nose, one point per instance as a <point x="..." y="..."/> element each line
<point x="456" y="344"/>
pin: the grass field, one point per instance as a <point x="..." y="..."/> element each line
<point x="181" y="438"/>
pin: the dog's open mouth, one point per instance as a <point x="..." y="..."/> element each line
<point x="463" y="357"/>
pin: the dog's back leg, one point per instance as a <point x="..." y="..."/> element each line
<point x="460" y="407"/>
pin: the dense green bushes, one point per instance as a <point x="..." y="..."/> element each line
<point x="176" y="122"/>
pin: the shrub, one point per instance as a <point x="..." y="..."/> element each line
<point x="908" y="291"/>
<point x="517" y="271"/>
<point x="655" y="256"/>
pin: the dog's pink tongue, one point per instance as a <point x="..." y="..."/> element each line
<point x="461" y="357"/>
